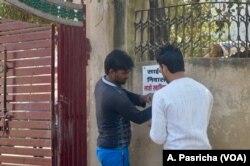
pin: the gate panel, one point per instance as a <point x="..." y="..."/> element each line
<point x="72" y="96"/>
<point x="27" y="99"/>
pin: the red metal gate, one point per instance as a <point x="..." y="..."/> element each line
<point x="26" y="94"/>
<point x="72" y="61"/>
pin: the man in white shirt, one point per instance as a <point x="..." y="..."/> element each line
<point x="181" y="110"/>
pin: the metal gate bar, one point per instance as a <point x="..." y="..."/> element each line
<point x="195" y="28"/>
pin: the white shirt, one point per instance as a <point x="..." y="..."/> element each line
<point x="180" y="115"/>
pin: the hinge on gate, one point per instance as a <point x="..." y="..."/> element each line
<point x="4" y="123"/>
<point x="62" y="100"/>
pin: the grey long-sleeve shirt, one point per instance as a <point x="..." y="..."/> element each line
<point x="115" y="108"/>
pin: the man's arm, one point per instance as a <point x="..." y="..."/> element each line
<point x="158" y="131"/>
<point x="127" y="109"/>
<point x="139" y="100"/>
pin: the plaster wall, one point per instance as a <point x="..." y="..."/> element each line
<point x="105" y="31"/>
<point x="228" y="80"/>
<point x="100" y="18"/>
<point x="77" y="1"/>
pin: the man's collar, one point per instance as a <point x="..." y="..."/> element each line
<point x="107" y="82"/>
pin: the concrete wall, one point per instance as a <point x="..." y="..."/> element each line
<point x="77" y="1"/>
<point x="100" y="18"/>
<point x="228" y="80"/>
<point x="105" y="31"/>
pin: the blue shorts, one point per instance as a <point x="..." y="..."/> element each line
<point x="113" y="157"/>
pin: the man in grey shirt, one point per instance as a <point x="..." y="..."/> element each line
<point x="115" y="108"/>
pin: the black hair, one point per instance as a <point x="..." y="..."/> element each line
<point x="172" y="57"/>
<point x="118" y="60"/>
